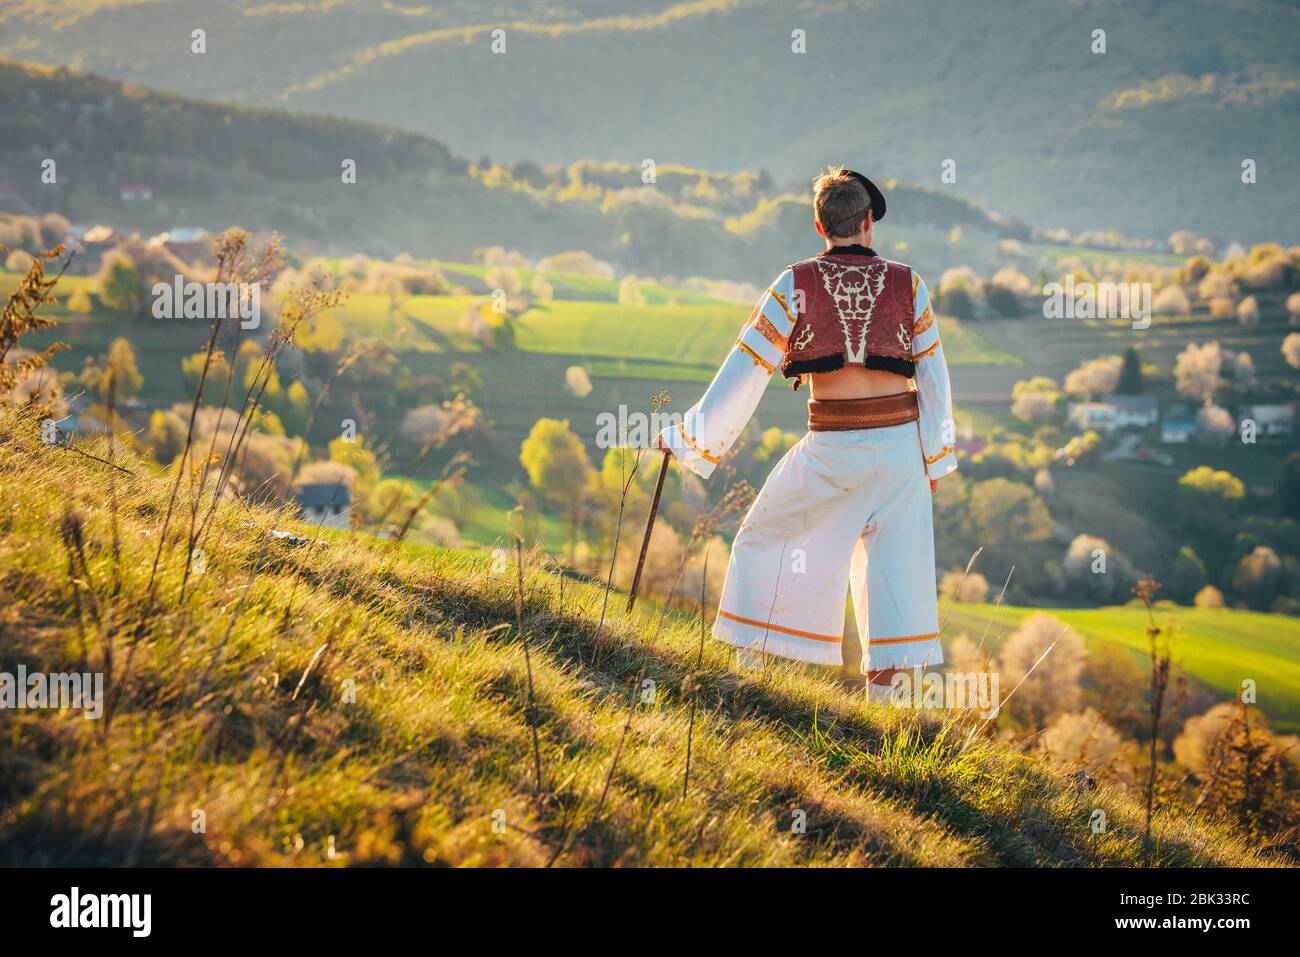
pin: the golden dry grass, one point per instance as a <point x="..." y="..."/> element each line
<point x="359" y="702"/>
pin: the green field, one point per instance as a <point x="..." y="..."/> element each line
<point x="573" y="285"/>
<point x="676" y="334"/>
<point x="1219" y="647"/>
<point x="694" y="336"/>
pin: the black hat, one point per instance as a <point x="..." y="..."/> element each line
<point x="877" y="197"/>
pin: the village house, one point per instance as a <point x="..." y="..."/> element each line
<point x="1097" y="416"/>
<point x="1272" y="421"/>
<point x="1178" y="426"/>
<point x="328" y="504"/>
<point x="1134" y="411"/>
<point x="187" y="243"/>
<point x="1115" y="412"/>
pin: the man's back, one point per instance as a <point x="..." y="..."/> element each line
<point x="854" y="382"/>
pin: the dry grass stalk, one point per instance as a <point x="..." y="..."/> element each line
<point x="699" y="664"/>
<point x="235" y="264"/>
<point x="1160" y="642"/>
<point x="20" y="317"/>
<point x="735" y="500"/>
<point x="528" y="661"/>
<point x="626" y="477"/>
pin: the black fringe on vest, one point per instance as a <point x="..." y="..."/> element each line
<point x="800" y="367"/>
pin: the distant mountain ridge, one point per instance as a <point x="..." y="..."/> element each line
<point x="1144" y="138"/>
<point x="188" y="163"/>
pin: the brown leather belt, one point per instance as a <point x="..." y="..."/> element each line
<point x="843" y="415"/>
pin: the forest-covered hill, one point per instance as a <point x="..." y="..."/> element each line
<point x="1141" y="138"/>
<point x="212" y="165"/>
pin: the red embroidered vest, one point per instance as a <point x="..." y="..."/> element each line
<point x="855" y="308"/>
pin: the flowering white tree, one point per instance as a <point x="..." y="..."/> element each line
<point x="1293" y="306"/>
<point x="1171" y="301"/>
<point x="1095" y="377"/>
<point x="1094" y="569"/>
<point x="1248" y="312"/>
<point x="1013" y="280"/>
<point x="1214" y="424"/>
<point x="577" y="381"/>
<point x="1217" y="285"/>
<point x="972" y="587"/>
<point x="1035" y="400"/>
<point x="1198" y="370"/>
<point x="1291" y="349"/>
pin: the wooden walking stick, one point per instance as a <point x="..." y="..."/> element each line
<point x="649" y="526"/>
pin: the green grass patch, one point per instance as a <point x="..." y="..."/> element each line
<point x="1219" y="647"/>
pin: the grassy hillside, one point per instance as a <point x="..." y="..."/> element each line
<point x="1042" y="127"/>
<point x="356" y="702"/>
<point x="1218" y="646"/>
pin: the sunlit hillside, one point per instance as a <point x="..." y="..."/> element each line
<point x="348" y="700"/>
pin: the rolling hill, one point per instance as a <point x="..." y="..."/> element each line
<point x="1147" y="137"/>
<point x="215" y="165"/>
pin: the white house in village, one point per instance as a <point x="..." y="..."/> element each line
<point x="327" y="504"/>
<point x="1134" y="411"/>
<point x="1115" y="412"/>
<point x="1272" y="421"/>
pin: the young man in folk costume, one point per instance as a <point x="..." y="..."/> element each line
<point x="848" y="507"/>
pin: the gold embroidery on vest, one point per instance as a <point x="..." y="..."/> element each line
<point x="853" y="289"/>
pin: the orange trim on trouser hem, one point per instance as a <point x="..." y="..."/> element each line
<point x="901" y="641"/>
<point x="783" y="630"/>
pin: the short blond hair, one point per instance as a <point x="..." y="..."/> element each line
<point x="840" y="202"/>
